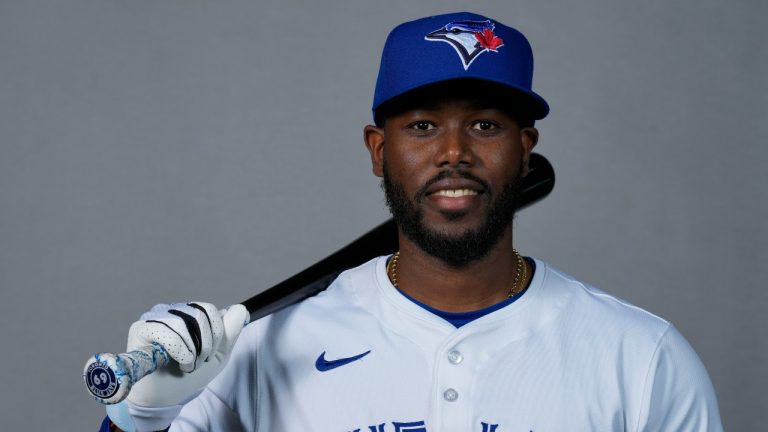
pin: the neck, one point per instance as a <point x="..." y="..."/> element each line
<point x="477" y="285"/>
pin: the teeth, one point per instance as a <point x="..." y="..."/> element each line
<point x="455" y="192"/>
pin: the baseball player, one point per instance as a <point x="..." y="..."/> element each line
<point x="456" y="332"/>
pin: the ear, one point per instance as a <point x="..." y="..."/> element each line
<point x="374" y="141"/>
<point x="529" y="136"/>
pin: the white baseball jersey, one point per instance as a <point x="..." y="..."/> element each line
<point x="362" y="357"/>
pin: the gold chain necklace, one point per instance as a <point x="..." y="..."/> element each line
<point x="521" y="272"/>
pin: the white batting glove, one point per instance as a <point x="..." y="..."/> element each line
<point x="199" y="338"/>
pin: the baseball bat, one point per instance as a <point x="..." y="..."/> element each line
<point x="109" y="377"/>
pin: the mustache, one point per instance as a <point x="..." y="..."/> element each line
<point x="422" y="192"/>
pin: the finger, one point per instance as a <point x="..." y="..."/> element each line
<point x="215" y="323"/>
<point x="169" y="334"/>
<point x="235" y="318"/>
<point x="190" y="324"/>
<point x="199" y="328"/>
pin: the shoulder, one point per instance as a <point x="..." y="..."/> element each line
<point x="293" y="335"/>
<point x="340" y="300"/>
<point x="597" y="307"/>
<point x="595" y="321"/>
<point x="676" y="392"/>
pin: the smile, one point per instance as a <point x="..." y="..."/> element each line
<point x="453" y="193"/>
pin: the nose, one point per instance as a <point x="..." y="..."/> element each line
<point x="454" y="149"/>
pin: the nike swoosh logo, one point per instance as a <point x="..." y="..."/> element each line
<point x="324" y="365"/>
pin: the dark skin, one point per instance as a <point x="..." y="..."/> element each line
<point x="453" y="134"/>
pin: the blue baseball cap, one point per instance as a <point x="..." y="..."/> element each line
<point x="456" y="46"/>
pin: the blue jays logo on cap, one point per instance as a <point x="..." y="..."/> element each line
<point x="468" y="38"/>
<point x="411" y="61"/>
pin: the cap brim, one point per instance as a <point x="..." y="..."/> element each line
<point x="521" y="101"/>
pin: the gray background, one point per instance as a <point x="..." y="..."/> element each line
<point x="155" y="151"/>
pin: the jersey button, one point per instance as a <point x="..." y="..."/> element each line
<point x="451" y="395"/>
<point x="455" y="357"/>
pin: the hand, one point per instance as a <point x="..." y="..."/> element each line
<point x="197" y="336"/>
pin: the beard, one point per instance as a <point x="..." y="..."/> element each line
<point x="455" y="250"/>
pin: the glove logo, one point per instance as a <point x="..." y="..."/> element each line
<point x="324" y="365"/>
<point x="101" y="381"/>
<point x="468" y="38"/>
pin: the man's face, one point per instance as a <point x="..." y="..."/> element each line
<point x="451" y="174"/>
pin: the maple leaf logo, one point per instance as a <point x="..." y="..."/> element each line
<point x="488" y="40"/>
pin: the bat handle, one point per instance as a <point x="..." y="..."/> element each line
<point x="109" y="377"/>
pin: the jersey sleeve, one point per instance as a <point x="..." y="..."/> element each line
<point x="678" y="394"/>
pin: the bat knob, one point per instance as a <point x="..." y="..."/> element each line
<point x="109" y="377"/>
<point x="103" y="379"/>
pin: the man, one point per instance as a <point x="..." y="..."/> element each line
<point x="455" y="332"/>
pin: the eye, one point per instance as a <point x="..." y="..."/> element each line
<point x="422" y="125"/>
<point x="484" y="125"/>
